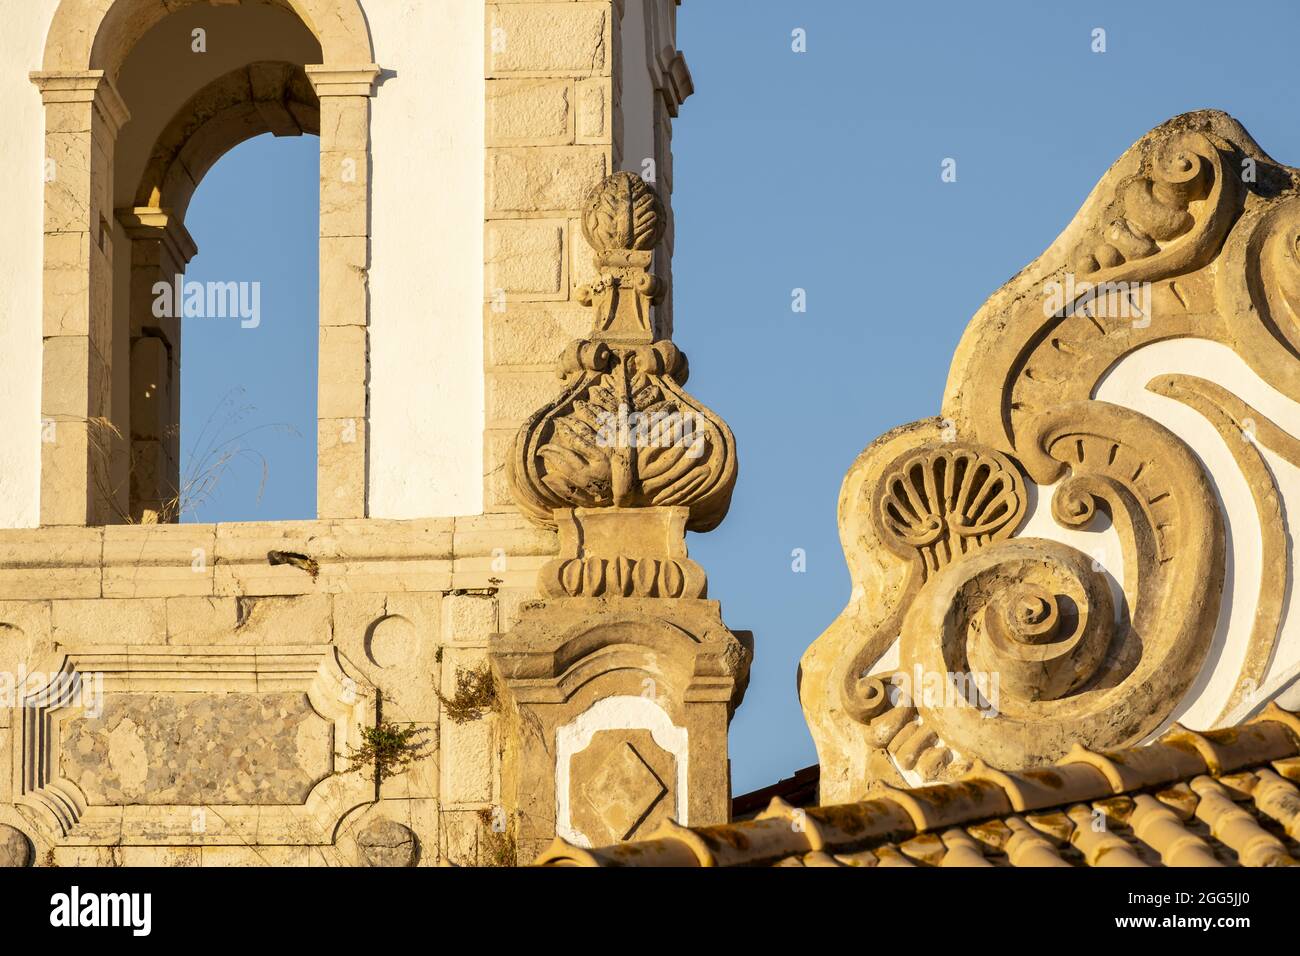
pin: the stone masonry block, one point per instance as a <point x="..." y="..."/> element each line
<point x="531" y="112"/>
<point x="542" y="179"/>
<point x="526" y="260"/>
<point x="556" y="39"/>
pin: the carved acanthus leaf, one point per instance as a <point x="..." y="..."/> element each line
<point x="623" y="433"/>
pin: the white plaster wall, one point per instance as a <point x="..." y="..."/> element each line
<point x="1126" y="385"/>
<point x="22" y="135"/>
<point x="637" y="99"/>
<point x="427" y="258"/>
<point x="426" y="277"/>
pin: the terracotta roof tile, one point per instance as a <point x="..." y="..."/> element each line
<point x="1222" y="797"/>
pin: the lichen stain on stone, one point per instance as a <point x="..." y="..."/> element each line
<point x="126" y="755"/>
<point x="191" y="749"/>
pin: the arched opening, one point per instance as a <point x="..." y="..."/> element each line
<point x="248" y="392"/>
<point x="161" y="471"/>
<point x="172" y="87"/>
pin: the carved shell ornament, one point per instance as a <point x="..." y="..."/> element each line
<point x="623" y="433"/>
<point x="1034" y="642"/>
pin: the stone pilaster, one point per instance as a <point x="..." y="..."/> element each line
<point x="343" y="404"/>
<point x="161" y="247"/>
<point x="83" y="114"/>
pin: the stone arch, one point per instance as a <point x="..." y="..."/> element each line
<point x="88" y="43"/>
<point x="98" y="34"/>
<point x="265" y="97"/>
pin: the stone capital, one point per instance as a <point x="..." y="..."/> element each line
<point x="160" y="225"/>
<point x="344" y="81"/>
<point x="87" y="86"/>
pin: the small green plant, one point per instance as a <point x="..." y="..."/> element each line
<point x="499" y="846"/>
<point x="386" y="748"/>
<point x="476" y="694"/>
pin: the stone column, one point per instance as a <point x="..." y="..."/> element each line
<point x="343" y="399"/>
<point x="161" y="247"/>
<point x="83" y="114"/>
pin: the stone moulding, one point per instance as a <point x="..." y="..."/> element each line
<point x="577" y="668"/>
<point x="1191" y="234"/>
<point x="337" y="695"/>
<point x="352" y="556"/>
<point x="622" y="552"/>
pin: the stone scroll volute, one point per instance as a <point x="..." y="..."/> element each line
<point x="969" y="638"/>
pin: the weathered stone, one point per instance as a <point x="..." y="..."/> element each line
<point x="555" y="39"/>
<point x="535" y="335"/>
<point x="91" y="621"/>
<point x="526" y="259"/>
<point x="242" y="749"/>
<point x="158" y="560"/>
<point x="622" y="785"/>
<point x="51" y="562"/>
<point x="240" y="663"/>
<point x="343" y="372"/>
<point x="341" y="469"/>
<point x="529" y="180"/>
<point x="512" y="396"/>
<point x="345" y="283"/>
<point x="15" y="848"/>
<point x="387" y="843"/>
<point x="469" y="618"/>
<point x="529" y="112"/>
<point x="594" y="119"/>
<point x="1173" y="245"/>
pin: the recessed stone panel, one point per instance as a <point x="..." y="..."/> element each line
<point x="196" y="749"/>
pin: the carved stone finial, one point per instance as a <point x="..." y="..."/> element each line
<point x="623" y="221"/>
<point x="617" y="687"/>
<point x="622" y="214"/>
<point x="623" y="433"/>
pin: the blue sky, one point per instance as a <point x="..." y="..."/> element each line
<point x="819" y="171"/>
<point x="255" y="216"/>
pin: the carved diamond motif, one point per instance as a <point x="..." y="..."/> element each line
<point x="622" y="785"/>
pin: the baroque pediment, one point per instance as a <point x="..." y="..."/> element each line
<point x="1089" y="542"/>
